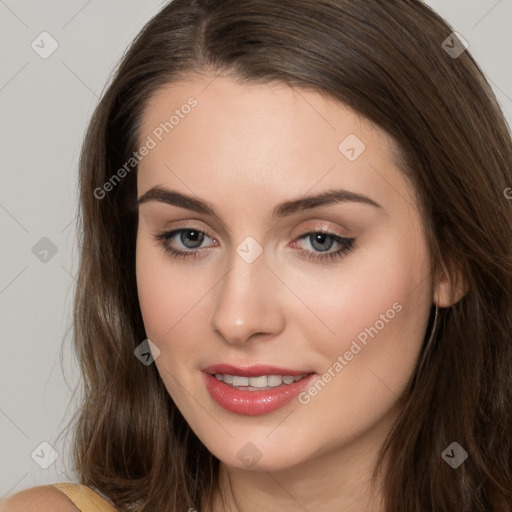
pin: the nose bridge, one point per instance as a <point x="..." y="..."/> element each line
<point x="244" y="303"/>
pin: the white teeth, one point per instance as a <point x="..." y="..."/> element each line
<point x="274" y="380"/>
<point x="258" y="383"/>
<point x="240" y="381"/>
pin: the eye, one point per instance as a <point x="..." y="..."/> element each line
<point x="189" y="238"/>
<point x="322" y="242"/>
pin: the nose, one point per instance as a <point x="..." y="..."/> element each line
<point x="246" y="302"/>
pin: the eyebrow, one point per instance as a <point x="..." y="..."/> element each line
<point x="284" y="209"/>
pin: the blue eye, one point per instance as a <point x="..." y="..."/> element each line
<point x="191" y="239"/>
<point x="323" y="241"/>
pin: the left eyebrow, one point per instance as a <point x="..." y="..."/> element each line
<point x="323" y="199"/>
<point x="284" y="209"/>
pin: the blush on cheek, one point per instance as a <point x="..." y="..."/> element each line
<point x="387" y="330"/>
<point x="156" y="309"/>
<point x="171" y="305"/>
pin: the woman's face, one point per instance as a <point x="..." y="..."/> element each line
<point x="286" y="271"/>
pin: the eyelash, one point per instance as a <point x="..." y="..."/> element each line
<point x="348" y="244"/>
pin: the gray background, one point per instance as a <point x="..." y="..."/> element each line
<point x="45" y="106"/>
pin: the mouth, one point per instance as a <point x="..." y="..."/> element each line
<point x="254" y="390"/>
<point x="255" y="377"/>
<point x="258" y="383"/>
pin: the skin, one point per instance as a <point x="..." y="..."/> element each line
<point x="245" y="148"/>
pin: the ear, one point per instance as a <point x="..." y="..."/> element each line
<point x="449" y="285"/>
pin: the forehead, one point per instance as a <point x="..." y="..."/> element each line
<point x="222" y="132"/>
<point x="225" y="103"/>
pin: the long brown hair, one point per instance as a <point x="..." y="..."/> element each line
<point x="386" y="60"/>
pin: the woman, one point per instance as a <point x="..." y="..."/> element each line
<point x="294" y="288"/>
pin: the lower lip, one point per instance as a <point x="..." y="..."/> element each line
<point x="254" y="403"/>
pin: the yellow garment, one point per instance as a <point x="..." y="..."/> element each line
<point x="85" y="498"/>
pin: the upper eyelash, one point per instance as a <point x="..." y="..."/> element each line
<point x="348" y="245"/>
<point x="166" y="235"/>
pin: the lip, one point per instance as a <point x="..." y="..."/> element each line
<point x="253" y="403"/>
<point x="252" y="371"/>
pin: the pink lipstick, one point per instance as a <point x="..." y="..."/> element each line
<point x="254" y="390"/>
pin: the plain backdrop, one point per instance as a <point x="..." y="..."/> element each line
<point x="45" y="105"/>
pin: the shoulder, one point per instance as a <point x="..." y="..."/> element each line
<point x="44" y="498"/>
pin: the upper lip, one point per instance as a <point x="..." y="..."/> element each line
<point x="253" y="370"/>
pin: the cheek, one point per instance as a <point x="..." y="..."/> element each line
<point x="165" y="301"/>
<point x="155" y="297"/>
<point x="378" y="308"/>
<point x="174" y="306"/>
<point x="165" y="296"/>
<point x="381" y="292"/>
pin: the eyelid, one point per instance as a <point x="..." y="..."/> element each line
<point x="311" y="226"/>
<point x="184" y="225"/>
<point x="172" y="232"/>
<point x="324" y="228"/>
